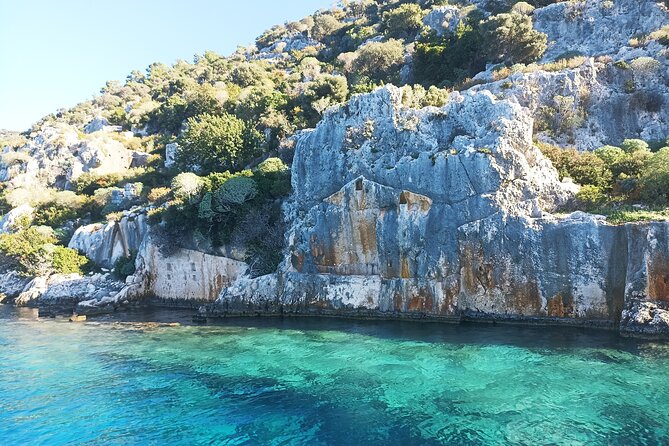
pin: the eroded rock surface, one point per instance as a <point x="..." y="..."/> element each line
<point x="105" y="243"/>
<point x="442" y="213"/>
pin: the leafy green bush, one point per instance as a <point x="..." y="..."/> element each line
<point x="217" y="143"/>
<point x="67" y="261"/>
<point x="655" y="178"/>
<point x="404" y="21"/>
<point x="380" y="60"/>
<point x="448" y="60"/>
<point x="585" y="168"/>
<point x="591" y="197"/>
<point x="125" y="266"/>
<point x="510" y="38"/>
<point x="187" y="186"/>
<point x="33" y="251"/>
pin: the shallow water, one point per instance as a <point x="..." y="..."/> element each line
<point x="318" y="382"/>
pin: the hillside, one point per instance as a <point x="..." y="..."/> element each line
<point x="499" y="113"/>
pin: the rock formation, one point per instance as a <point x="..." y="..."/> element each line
<point x="445" y="212"/>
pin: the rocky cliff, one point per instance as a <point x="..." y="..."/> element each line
<point x="440" y="213"/>
<point x="396" y="212"/>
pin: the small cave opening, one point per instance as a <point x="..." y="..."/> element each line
<point x="358" y="184"/>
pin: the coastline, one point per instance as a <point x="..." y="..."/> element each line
<point x="173" y="312"/>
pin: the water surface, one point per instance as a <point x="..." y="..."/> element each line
<point x="326" y="382"/>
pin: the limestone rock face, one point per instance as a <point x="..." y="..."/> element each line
<point x="443" y="19"/>
<point x="444" y="213"/>
<point x="11" y="218"/>
<point x="597" y="103"/>
<point x="647" y="288"/>
<point x="56" y="156"/>
<point x="66" y="290"/>
<point x="104" y="244"/>
<point x="184" y="275"/>
<point x="595" y="27"/>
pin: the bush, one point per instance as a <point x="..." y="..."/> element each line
<point x="187" y="186"/>
<point x="380" y="60"/>
<point x="655" y="178"/>
<point x="158" y="195"/>
<point x="67" y="261"/>
<point x="634" y="145"/>
<point x="125" y="266"/>
<point x="405" y="21"/>
<point x="591" y="197"/>
<point x="510" y="38"/>
<point x="33" y="251"/>
<point x="272" y="165"/>
<point x="324" y="26"/>
<point x="448" y="60"/>
<point x="217" y="143"/>
<point x="584" y="168"/>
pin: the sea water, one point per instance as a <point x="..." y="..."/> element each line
<point x="326" y="382"/>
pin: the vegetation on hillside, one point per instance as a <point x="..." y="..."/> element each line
<point x="232" y="119"/>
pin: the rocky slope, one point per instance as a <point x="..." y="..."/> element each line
<point x="406" y="212"/>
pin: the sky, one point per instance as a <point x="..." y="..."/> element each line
<point x="57" y="53"/>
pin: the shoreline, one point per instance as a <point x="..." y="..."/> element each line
<point x="189" y="315"/>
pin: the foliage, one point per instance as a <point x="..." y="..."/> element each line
<point x="404" y="21"/>
<point x="216" y="143"/>
<point x="187" y="185"/>
<point x="33" y="251"/>
<point x="510" y="38"/>
<point x="125" y="266"/>
<point x="585" y="168"/>
<point x="158" y="195"/>
<point x="591" y="197"/>
<point x="380" y="60"/>
<point x="654" y="178"/>
<point x="67" y="261"/>
<point x="449" y="60"/>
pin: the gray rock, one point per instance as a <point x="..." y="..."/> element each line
<point x="105" y="243"/>
<point x="595" y="27"/>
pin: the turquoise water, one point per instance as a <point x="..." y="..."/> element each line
<point x="322" y="382"/>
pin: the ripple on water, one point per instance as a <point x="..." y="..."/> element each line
<point x="326" y="382"/>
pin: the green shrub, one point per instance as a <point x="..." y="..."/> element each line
<point x="405" y="21"/>
<point x="591" y="197"/>
<point x="448" y="60"/>
<point x="380" y="60"/>
<point x="158" y="195"/>
<point x="217" y="143"/>
<point x="67" y="261"/>
<point x="33" y="251"/>
<point x="272" y="165"/>
<point x="510" y="38"/>
<point x="655" y="178"/>
<point x="634" y="145"/>
<point x="187" y="186"/>
<point x="125" y="266"/>
<point x="585" y="168"/>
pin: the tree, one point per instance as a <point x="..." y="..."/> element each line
<point x="380" y="60"/>
<point x="324" y="26"/>
<point x="510" y="38"/>
<point x="448" y="60"/>
<point x="634" y="145"/>
<point x="186" y="186"/>
<point x="405" y="21"/>
<point x="655" y="178"/>
<point x="217" y="143"/>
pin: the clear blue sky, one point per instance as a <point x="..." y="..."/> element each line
<point x="57" y="53"/>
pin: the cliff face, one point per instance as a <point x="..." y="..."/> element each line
<point x="105" y="243"/>
<point x="445" y="212"/>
